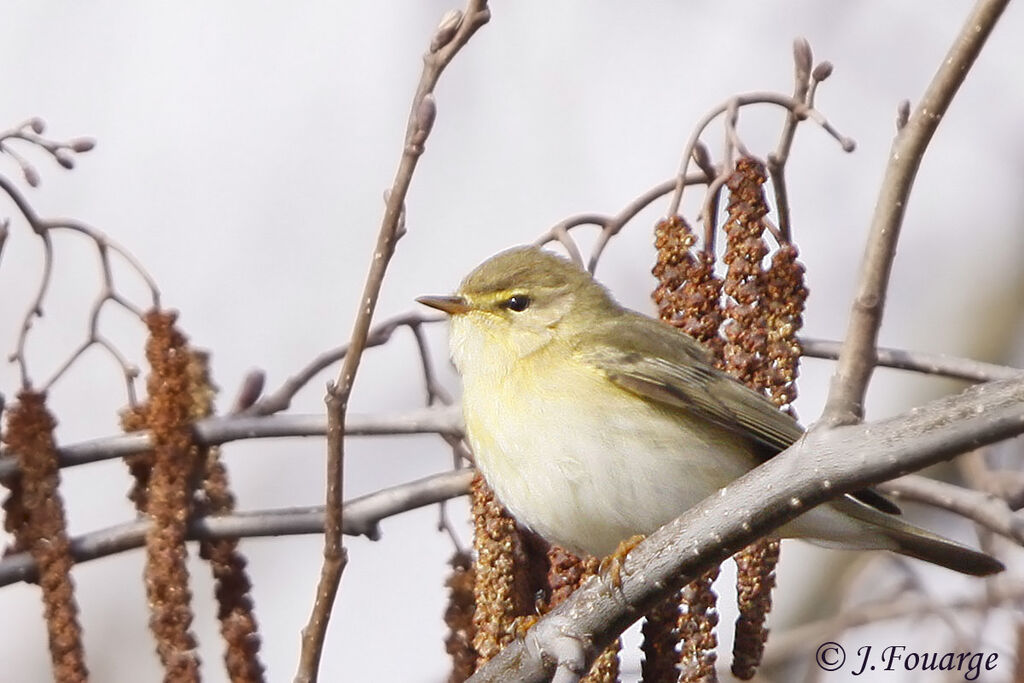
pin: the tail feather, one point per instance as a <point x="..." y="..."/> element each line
<point x="918" y="543"/>
<point x="943" y="552"/>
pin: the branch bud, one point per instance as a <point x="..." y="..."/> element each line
<point x="64" y="159"/>
<point x="31" y="175"/>
<point x="423" y="122"/>
<point x="822" y="71"/>
<point x="81" y="144"/>
<point x="447" y="29"/>
<point x="902" y="114"/>
<point x="802" y="58"/>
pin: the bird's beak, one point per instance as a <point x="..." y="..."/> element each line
<point x="452" y="305"/>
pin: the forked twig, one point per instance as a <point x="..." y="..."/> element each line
<point x="610" y="225"/>
<point x="281" y="398"/>
<point x="45" y="228"/>
<point x="735" y="103"/>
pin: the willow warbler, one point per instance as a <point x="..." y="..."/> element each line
<point x="593" y="423"/>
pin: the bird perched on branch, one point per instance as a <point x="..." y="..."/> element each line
<point x="593" y="423"/>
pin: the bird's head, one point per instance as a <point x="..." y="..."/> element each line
<point x="517" y="302"/>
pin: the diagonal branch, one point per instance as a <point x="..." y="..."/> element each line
<point x="822" y="465"/>
<point x="857" y="360"/>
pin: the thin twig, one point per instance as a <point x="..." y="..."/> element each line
<point x="918" y="361"/>
<point x="794" y="642"/>
<point x="736" y="102"/>
<point x="362" y="518"/>
<point x="215" y="431"/>
<point x="845" y="404"/>
<point x="5" y="224"/>
<point x="281" y="399"/>
<point x="984" y="508"/>
<point x="454" y="32"/>
<point x="610" y="225"/>
<point x="776" y="162"/>
<point x="44" y="228"/>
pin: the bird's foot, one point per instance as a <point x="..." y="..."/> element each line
<point x="614" y="562"/>
<point x="523" y="624"/>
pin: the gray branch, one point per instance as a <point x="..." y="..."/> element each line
<point x="824" y="464"/>
<point x="216" y="431"/>
<point x="219" y="430"/>
<point x="917" y="361"/>
<point x="986" y="509"/>
<point x="362" y="517"/>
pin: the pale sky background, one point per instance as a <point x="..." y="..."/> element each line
<point x="243" y="150"/>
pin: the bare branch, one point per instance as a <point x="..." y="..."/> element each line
<point x="845" y="403"/>
<point x="362" y="518"/>
<point x="5" y="224"/>
<point x="822" y="465"/>
<point x="796" y="641"/>
<point x="452" y="34"/>
<point x="802" y="58"/>
<point x="734" y="103"/>
<point x="610" y="225"/>
<point x="986" y="509"/>
<point x="44" y="228"/>
<point x="216" y="431"/>
<point x="281" y="399"/>
<point x="918" y="361"/>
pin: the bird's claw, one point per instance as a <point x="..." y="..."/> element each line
<point x="613" y="563"/>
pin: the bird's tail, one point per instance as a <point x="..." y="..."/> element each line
<point x="916" y="542"/>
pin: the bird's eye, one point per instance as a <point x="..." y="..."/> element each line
<point x="517" y="303"/>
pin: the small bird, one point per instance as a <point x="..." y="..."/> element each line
<point x="594" y="424"/>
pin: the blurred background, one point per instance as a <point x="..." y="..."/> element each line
<point x="242" y="155"/>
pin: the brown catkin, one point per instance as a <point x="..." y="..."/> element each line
<point x="755" y="572"/>
<point x="605" y="668"/>
<point x="496" y="593"/>
<point x="689" y="293"/>
<point x="696" y="628"/>
<point x="782" y="303"/>
<point x="744" y="327"/>
<point x="785" y="299"/>
<point x="661" y="639"/>
<point x="764" y="312"/>
<point x="140" y="465"/>
<point x="689" y="296"/>
<point x="458" y="617"/>
<point x="38" y="524"/>
<point x="232" y="586"/>
<point x="565" y="573"/>
<point x="15" y="514"/>
<point x="168" y="497"/>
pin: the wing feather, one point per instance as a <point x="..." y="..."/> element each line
<point x="659" y="362"/>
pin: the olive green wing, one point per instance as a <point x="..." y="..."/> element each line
<point x="659" y="362"/>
